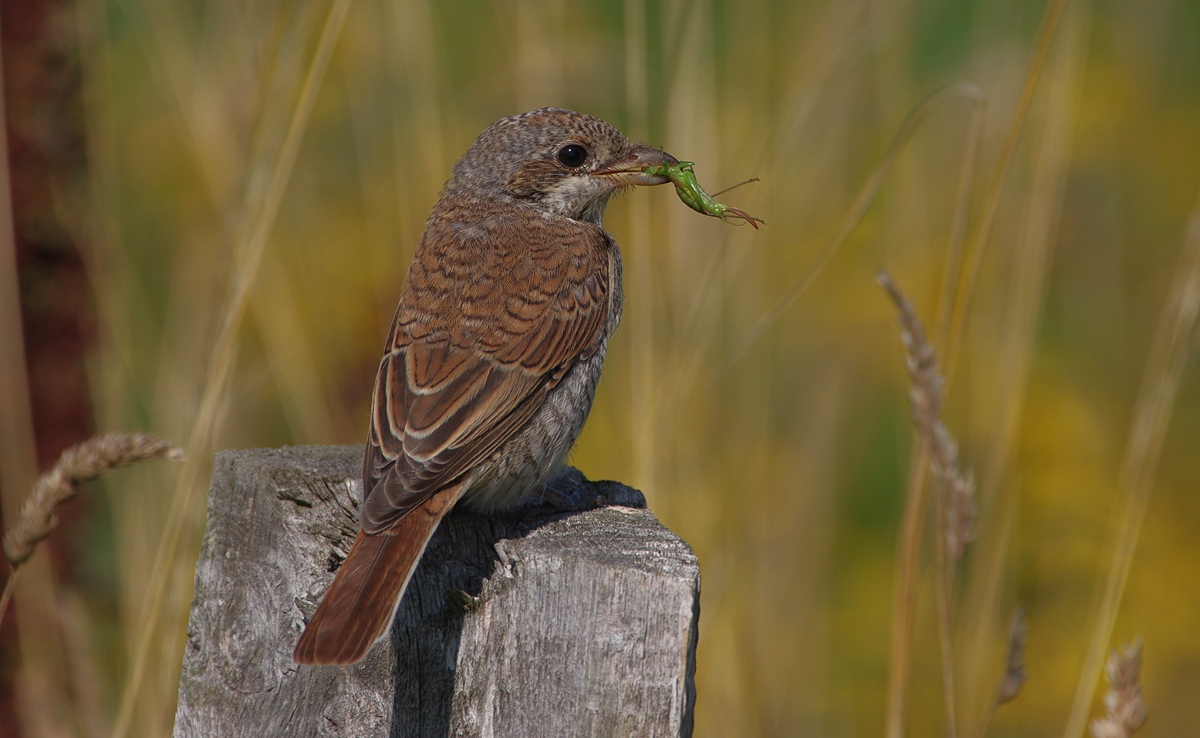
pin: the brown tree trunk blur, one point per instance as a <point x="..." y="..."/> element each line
<point x="44" y="136"/>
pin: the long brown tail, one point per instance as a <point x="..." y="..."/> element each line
<point x="359" y="607"/>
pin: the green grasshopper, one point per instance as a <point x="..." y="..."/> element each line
<point x="694" y="196"/>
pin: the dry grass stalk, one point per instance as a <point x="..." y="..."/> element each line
<point x="973" y="268"/>
<point x="1125" y="711"/>
<point x="962" y="287"/>
<point x="858" y="209"/>
<point x="1152" y="412"/>
<point x="956" y="487"/>
<point x="80" y="463"/>
<point x="256" y="222"/>
<point x="954" y="490"/>
<point x="904" y="598"/>
<point x="1014" y="671"/>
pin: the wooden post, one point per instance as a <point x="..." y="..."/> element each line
<point x="580" y="624"/>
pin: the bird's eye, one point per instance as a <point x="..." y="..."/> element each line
<point x="572" y="155"/>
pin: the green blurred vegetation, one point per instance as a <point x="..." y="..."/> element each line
<point x="784" y="462"/>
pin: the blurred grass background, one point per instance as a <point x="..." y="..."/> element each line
<point x="783" y="461"/>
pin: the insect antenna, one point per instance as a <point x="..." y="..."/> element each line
<point x="734" y="187"/>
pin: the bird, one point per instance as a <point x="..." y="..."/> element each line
<point x="493" y="356"/>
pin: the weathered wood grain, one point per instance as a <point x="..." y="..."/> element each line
<point x="532" y="624"/>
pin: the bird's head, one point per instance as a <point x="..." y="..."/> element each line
<point x="562" y="162"/>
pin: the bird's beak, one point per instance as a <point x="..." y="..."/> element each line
<point x="630" y="167"/>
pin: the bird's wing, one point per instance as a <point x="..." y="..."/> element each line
<point x="491" y="319"/>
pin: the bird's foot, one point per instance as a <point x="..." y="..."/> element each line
<point x="571" y="491"/>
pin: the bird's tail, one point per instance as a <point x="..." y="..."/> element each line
<point x="361" y="602"/>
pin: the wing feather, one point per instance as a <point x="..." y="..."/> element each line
<point x="462" y="376"/>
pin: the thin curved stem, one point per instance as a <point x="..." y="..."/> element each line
<point x="248" y="253"/>
<point x="866" y="197"/>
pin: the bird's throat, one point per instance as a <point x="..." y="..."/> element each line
<point x="579" y="198"/>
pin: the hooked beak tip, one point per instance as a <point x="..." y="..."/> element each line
<point x="630" y="168"/>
